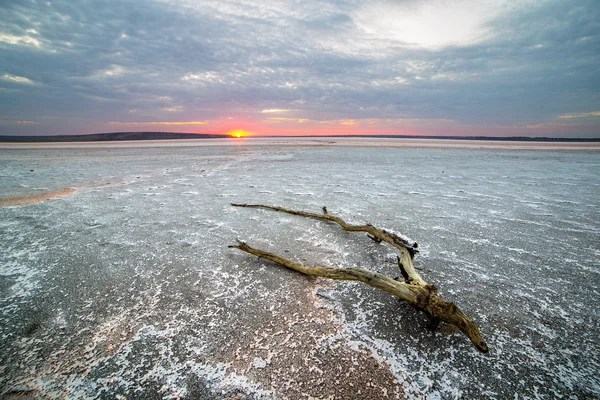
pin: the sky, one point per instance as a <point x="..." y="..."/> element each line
<point x="289" y="67"/>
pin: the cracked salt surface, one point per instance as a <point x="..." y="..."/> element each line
<point x="129" y="289"/>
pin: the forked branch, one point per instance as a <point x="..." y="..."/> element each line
<point x="413" y="289"/>
<point x="407" y="248"/>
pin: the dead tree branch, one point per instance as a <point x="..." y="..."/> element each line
<point x="407" y="248"/>
<point x="413" y="289"/>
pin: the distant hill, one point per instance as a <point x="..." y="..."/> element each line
<point x="114" y="136"/>
<point x="486" y="138"/>
<point x="502" y="138"/>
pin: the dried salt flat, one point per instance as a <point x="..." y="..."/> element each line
<point x="112" y="292"/>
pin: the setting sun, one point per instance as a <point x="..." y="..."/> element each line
<point x="238" y="133"/>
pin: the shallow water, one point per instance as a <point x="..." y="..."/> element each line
<point x="127" y="287"/>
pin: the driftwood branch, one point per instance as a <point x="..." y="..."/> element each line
<point x="407" y="248"/>
<point x="413" y="289"/>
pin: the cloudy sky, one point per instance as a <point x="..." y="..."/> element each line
<point x="437" y="67"/>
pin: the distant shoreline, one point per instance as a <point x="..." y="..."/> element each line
<point x="112" y="136"/>
<point x="320" y="141"/>
<point x="144" y="136"/>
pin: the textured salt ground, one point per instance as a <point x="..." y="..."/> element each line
<point x="93" y="350"/>
<point x="129" y="290"/>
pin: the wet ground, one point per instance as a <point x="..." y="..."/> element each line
<point x="124" y="286"/>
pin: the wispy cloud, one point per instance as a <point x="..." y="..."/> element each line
<point x="275" y="110"/>
<point x="160" y="123"/>
<point x="112" y="70"/>
<point x="580" y="115"/>
<point x="347" y="122"/>
<point x="18" y="79"/>
<point x="283" y="119"/>
<point x="206" y="77"/>
<point x="172" y="108"/>
<point x="18" y="122"/>
<point x="20" y="40"/>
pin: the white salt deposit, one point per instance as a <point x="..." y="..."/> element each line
<point x="127" y="287"/>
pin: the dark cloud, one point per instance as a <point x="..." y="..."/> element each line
<point x="92" y="62"/>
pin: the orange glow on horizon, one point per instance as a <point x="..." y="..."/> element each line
<point x="250" y="128"/>
<point x="238" y="133"/>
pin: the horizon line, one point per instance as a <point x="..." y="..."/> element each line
<point x="371" y="135"/>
